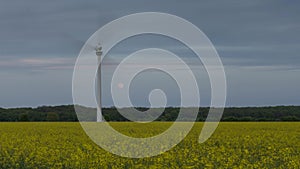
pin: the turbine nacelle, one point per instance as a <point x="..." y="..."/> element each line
<point x="98" y="50"/>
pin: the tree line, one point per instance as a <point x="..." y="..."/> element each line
<point x="66" y="113"/>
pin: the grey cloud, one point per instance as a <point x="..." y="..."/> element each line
<point x="255" y="40"/>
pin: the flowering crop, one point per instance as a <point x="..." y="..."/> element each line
<point x="233" y="145"/>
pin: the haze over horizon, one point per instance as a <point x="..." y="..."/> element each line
<point x="257" y="41"/>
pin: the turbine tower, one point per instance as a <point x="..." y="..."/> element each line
<point x="98" y="90"/>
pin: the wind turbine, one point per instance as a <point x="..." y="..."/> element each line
<point x="99" y="109"/>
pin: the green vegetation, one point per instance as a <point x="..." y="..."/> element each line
<point x="67" y="113"/>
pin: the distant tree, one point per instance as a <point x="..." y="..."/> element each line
<point x="290" y="118"/>
<point x="52" y="116"/>
<point x="230" y="118"/>
<point x="67" y="113"/>
<point x="247" y="118"/>
<point x="23" y="117"/>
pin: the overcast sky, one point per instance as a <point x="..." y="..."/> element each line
<point x="258" y="42"/>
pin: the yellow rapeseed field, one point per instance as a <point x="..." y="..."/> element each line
<point x="233" y="145"/>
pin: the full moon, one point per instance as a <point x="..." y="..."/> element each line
<point x="120" y="85"/>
